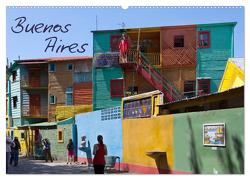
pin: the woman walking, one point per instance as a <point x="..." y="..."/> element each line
<point x="100" y="150"/>
<point x="70" y="148"/>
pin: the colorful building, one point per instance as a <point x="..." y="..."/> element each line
<point x="180" y="61"/>
<point x="42" y="89"/>
<point x="233" y="75"/>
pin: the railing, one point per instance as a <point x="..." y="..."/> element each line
<point x="26" y="84"/>
<point x="157" y="76"/>
<point x="132" y="55"/>
<point x="28" y="113"/>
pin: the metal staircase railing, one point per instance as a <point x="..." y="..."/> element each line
<point x="160" y="81"/>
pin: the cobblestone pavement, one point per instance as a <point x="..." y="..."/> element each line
<point x="27" y="166"/>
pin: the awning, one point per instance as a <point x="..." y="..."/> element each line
<point x="38" y="125"/>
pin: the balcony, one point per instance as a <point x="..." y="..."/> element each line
<point x="35" y="112"/>
<point x="28" y="85"/>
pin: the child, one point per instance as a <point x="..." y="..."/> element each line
<point x="70" y="148"/>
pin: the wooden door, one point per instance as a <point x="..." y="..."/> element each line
<point x="34" y="77"/>
<point x="35" y="108"/>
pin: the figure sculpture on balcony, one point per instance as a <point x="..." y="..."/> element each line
<point x="123" y="48"/>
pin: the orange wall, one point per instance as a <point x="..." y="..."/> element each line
<point x="144" y="135"/>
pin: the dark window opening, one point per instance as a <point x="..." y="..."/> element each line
<point x="70" y="67"/>
<point x="52" y="67"/>
<point x="204" y="39"/>
<point x="15" y="102"/>
<point x="203" y="86"/>
<point x="189" y="89"/>
<point x="116" y="88"/>
<point x="178" y="41"/>
<point x="14" y="75"/>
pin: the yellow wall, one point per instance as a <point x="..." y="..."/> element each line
<point x="144" y="135"/>
<point x="233" y="77"/>
<point x="64" y="112"/>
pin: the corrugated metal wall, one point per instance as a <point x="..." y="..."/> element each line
<point x="82" y="93"/>
<point x="212" y="61"/>
<point x="178" y="57"/>
<point x="15" y="91"/>
<point x="101" y="87"/>
<point x="25" y="103"/>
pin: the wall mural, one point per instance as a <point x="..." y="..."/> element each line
<point x="137" y="108"/>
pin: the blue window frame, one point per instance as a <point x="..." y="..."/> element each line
<point x="52" y="67"/>
<point x="69" y="67"/>
<point x="69" y="96"/>
<point x="52" y="99"/>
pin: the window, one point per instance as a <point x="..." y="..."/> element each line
<point x="60" y="135"/>
<point x="114" y="43"/>
<point x="15" y="100"/>
<point x="14" y="74"/>
<point x="116" y="88"/>
<point x="69" y="67"/>
<point x="69" y="96"/>
<point x="22" y="135"/>
<point x="82" y="77"/>
<point x="204" y="39"/>
<point x="52" y="99"/>
<point x="189" y="89"/>
<point x="203" y="86"/>
<point x="52" y="67"/>
<point x="178" y="41"/>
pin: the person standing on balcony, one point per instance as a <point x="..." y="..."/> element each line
<point x="100" y="150"/>
<point x="123" y="48"/>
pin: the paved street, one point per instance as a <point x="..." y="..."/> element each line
<point x="27" y="166"/>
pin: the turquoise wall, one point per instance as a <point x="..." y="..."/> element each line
<point x="101" y="87"/>
<point x="102" y="76"/>
<point x="211" y="61"/>
<point x="190" y="155"/>
<point x="101" y="41"/>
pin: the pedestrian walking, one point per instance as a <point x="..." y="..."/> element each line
<point x="8" y="151"/>
<point x="70" y="148"/>
<point x="16" y="148"/>
<point x="99" y="151"/>
<point x="47" y="150"/>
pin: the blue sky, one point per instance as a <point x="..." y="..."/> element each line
<point x="83" y="21"/>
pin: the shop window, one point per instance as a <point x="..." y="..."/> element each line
<point x="204" y="39"/>
<point x="15" y="100"/>
<point x="52" y="99"/>
<point x="69" y="67"/>
<point x="116" y="88"/>
<point x="203" y="86"/>
<point x="69" y="96"/>
<point x="114" y="43"/>
<point x="52" y="67"/>
<point x="60" y="136"/>
<point x="14" y="75"/>
<point x="179" y="41"/>
<point x="189" y="89"/>
<point x="22" y="135"/>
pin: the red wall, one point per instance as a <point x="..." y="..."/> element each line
<point x="82" y="93"/>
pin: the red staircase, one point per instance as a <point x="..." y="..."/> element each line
<point x="155" y="78"/>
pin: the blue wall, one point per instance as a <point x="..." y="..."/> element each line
<point x="102" y="122"/>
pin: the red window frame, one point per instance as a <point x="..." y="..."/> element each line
<point x="177" y="39"/>
<point x="199" y="39"/>
<point x="113" y="47"/>
<point x="116" y="88"/>
<point x="201" y="84"/>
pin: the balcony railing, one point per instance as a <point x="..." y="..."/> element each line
<point x="132" y="56"/>
<point x="27" y="85"/>
<point x="35" y="114"/>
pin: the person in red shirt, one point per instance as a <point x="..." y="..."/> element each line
<point x="123" y="48"/>
<point x="99" y="151"/>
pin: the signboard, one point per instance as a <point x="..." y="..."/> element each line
<point x="137" y="108"/>
<point x="214" y="134"/>
<point x="106" y="60"/>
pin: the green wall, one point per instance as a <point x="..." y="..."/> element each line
<point x="58" y="150"/>
<point x="191" y="156"/>
<point x="211" y="61"/>
<point x="102" y="77"/>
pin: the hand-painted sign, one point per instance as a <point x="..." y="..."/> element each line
<point x="106" y="60"/>
<point x="214" y="134"/>
<point x="138" y="108"/>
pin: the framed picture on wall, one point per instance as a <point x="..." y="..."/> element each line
<point x="214" y="134"/>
